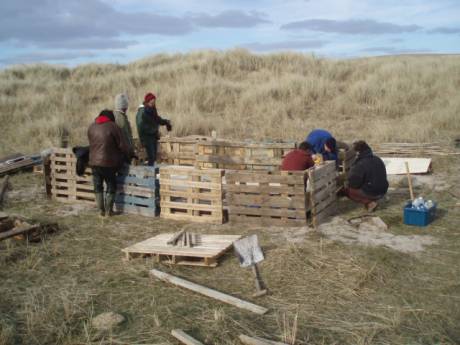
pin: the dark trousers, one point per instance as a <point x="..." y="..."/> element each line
<point x="151" y="144"/>
<point x="107" y="175"/>
<point x="358" y="195"/>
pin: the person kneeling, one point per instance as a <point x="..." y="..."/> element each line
<point x="367" y="179"/>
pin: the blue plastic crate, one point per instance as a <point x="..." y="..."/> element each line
<point x="412" y="216"/>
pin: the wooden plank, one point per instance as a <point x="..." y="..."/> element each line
<point x="17" y="231"/>
<point x="184" y="337"/>
<point x="215" y="195"/>
<point x="267" y="221"/>
<point x="208" y="292"/>
<point x="267" y="200"/>
<point x="244" y="176"/>
<point x="237" y="160"/>
<point x="134" y="209"/>
<point x="185" y="183"/>
<point x="252" y="145"/>
<point x="265" y="211"/>
<point x="296" y="190"/>
<point x="210" y="219"/>
<point x="190" y="206"/>
<point x="258" y="341"/>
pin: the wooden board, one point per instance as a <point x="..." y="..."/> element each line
<point x="191" y="194"/>
<point x="205" y="252"/>
<point x="323" y="194"/>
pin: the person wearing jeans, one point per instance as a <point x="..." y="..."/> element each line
<point x="108" y="150"/>
<point x="148" y="123"/>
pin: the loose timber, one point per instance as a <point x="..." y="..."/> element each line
<point x="208" y="292"/>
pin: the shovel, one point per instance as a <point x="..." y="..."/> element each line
<point x="249" y="253"/>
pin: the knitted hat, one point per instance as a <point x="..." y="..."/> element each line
<point x="148" y="97"/>
<point x="121" y="102"/>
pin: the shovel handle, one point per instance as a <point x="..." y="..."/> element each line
<point x="255" y="270"/>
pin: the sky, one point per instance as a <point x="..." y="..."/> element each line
<point x="74" y="32"/>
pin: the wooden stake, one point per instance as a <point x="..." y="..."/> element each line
<point x="184" y="337"/>
<point x="4" y="188"/>
<point x="410" y="182"/>
<point x="257" y="341"/>
<point x="208" y="292"/>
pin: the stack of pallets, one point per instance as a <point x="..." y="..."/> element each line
<point x="191" y="194"/>
<point x="179" y="151"/>
<point x="65" y="184"/>
<point x="137" y="191"/>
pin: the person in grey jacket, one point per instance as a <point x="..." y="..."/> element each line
<point x="121" y="119"/>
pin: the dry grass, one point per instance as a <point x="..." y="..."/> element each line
<point x="278" y="96"/>
<point x="321" y="292"/>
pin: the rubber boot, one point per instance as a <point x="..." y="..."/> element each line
<point x="100" y="203"/>
<point x="109" y="201"/>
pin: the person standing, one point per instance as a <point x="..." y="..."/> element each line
<point x="148" y="123"/>
<point x="121" y="119"/>
<point x="367" y="179"/>
<point x="108" y="150"/>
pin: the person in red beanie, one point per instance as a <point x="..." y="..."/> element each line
<point x="148" y="123"/>
<point x="298" y="159"/>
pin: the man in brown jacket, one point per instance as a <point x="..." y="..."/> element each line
<point x="108" y="150"/>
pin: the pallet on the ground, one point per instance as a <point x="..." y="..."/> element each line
<point x="206" y="250"/>
<point x="266" y="198"/>
<point x="179" y="150"/>
<point x="323" y="191"/>
<point x="191" y="194"/>
<point x="137" y="191"/>
<point x="241" y="155"/>
<point x="16" y="162"/>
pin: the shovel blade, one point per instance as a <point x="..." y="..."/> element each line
<point x="248" y="250"/>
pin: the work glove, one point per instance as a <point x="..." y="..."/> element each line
<point x="169" y="126"/>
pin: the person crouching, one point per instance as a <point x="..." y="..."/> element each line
<point x="108" y="150"/>
<point x="367" y="179"/>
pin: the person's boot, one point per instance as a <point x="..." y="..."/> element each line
<point x="100" y="203"/>
<point x="109" y="201"/>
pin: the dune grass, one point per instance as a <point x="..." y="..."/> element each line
<point x="241" y="95"/>
<point x="321" y="292"/>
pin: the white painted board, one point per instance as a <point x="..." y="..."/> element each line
<point x="397" y="165"/>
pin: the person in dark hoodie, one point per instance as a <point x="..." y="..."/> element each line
<point x="108" y="150"/>
<point x="148" y="123"/>
<point x="367" y="179"/>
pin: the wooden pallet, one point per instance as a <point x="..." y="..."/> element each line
<point x="18" y="162"/>
<point x="206" y="252"/>
<point x="137" y="191"/>
<point x="241" y="155"/>
<point x="346" y="159"/>
<point x="414" y="149"/>
<point x="65" y="184"/>
<point x="191" y="194"/>
<point x="323" y="191"/>
<point x="266" y="198"/>
<point x="179" y="151"/>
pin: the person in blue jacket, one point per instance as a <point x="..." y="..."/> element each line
<point x="324" y="143"/>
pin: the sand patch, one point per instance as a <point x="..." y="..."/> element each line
<point x="338" y="229"/>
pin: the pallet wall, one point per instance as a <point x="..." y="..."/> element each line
<point x="281" y="198"/>
<point x="266" y="198"/>
<point x="241" y="155"/>
<point x="137" y="186"/>
<point x="191" y="194"/>
<point x="64" y="184"/>
<point x="179" y="151"/>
